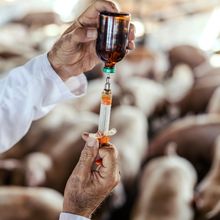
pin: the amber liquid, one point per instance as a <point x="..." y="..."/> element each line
<point x="112" y="37"/>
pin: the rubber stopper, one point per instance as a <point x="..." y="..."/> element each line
<point x="109" y="70"/>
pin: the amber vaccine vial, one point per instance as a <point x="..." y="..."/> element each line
<point x="112" y="38"/>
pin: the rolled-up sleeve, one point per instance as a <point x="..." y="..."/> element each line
<point x="28" y="93"/>
<point x="68" y="216"/>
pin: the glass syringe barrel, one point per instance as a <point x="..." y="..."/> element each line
<point x="105" y="111"/>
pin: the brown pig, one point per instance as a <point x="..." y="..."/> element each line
<point x="22" y="203"/>
<point x="194" y="136"/>
<point x="186" y="54"/>
<point x="197" y="99"/>
<point x="166" y="190"/>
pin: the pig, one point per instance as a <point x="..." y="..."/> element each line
<point x="195" y="137"/>
<point x="208" y="191"/>
<point x="166" y="190"/>
<point x="181" y="79"/>
<point x="186" y="94"/>
<point x="22" y="203"/>
<point x="176" y="89"/>
<point x="197" y="99"/>
<point x="131" y="139"/>
<point x="186" y="54"/>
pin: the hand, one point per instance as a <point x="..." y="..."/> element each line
<point x="86" y="189"/>
<point x="75" y="52"/>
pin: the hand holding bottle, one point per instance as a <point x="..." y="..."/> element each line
<point x="75" y="51"/>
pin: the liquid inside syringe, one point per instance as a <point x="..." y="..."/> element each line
<point x="105" y="108"/>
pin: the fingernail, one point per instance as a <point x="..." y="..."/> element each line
<point x="91" y="34"/>
<point x="86" y="134"/>
<point x="91" y="142"/>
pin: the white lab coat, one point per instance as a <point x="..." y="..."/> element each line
<point x="28" y="93"/>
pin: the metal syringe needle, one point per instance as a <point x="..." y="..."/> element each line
<point x="107" y="84"/>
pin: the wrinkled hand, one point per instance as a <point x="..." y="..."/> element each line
<point x="74" y="52"/>
<point x="86" y="189"/>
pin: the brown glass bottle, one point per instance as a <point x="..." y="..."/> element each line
<point x="112" y="38"/>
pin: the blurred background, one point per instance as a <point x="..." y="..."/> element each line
<point x="165" y="92"/>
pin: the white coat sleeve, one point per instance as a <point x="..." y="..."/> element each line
<point x="68" y="216"/>
<point x="28" y="93"/>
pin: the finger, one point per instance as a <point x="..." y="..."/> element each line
<point x="85" y="136"/>
<point x="131" y="35"/>
<point x="131" y="45"/>
<point x="109" y="156"/>
<point x="87" y="157"/>
<point x="82" y="35"/>
<point x="89" y="17"/>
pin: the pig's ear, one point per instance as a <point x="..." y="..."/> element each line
<point x="171" y="149"/>
<point x="214" y="211"/>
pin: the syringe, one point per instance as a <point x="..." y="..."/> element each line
<point x="104" y="133"/>
<point x="105" y="111"/>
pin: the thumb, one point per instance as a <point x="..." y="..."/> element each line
<point x="87" y="157"/>
<point x="109" y="155"/>
<point x="82" y="35"/>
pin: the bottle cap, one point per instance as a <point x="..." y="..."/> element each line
<point x="108" y="70"/>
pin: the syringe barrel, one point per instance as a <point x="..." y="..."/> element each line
<point x="105" y="111"/>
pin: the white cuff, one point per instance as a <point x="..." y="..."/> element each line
<point x="68" y="216"/>
<point x="75" y="86"/>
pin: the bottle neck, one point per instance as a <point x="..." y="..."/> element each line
<point x="109" y="70"/>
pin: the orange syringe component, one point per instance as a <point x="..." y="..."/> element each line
<point x="106" y="98"/>
<point x="103" y="140"/>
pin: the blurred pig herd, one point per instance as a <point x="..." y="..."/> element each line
<point x="168" y="124"/>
